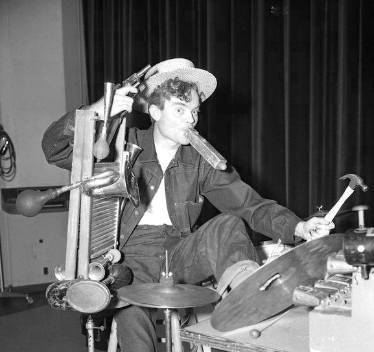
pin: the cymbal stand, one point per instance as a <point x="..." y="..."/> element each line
<point x="169" y="297"/>
<point x="170" y="316"/>
<point x="172" y="327"/>
<point x="7" y="293"/>
<point x="167" y="279"/>
<point x="90" y="327"/>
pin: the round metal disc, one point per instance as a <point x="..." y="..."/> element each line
<point x="156" y="295"/>
<point x="269" y="289"/>
<point x="88" y="296"/>
<point x="116" y="303"/>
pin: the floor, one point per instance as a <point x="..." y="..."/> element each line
<point x="38" y="327"/>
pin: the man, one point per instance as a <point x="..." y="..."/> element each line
<point x="173" y="181"/>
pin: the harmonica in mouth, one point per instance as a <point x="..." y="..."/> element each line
<point x="206" y="150"/>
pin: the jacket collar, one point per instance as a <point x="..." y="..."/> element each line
<point x="185" y="153"/>
<point x="145" y="140"/>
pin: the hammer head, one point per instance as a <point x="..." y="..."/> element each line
<point x="355" y="181"/>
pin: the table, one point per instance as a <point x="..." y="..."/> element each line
<point x="290" y="333"/>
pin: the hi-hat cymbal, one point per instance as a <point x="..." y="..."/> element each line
<point x="158" y="295"/>
<point x="269" y="289"/>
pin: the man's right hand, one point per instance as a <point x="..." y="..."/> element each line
<point x="313" y="228"/>
<point x="121" y="102"/>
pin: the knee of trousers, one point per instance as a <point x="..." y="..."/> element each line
<point x="229" y="227"/>
<point x="225" y="230"/>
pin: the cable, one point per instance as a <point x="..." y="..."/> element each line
<point x="7" y="173"/>
<point x="7" y="156"/>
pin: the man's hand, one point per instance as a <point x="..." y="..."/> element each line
<point x="121" y="102"/>
<point x="313" y="228"/>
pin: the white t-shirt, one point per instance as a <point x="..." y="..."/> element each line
<point x="157" y="211"/>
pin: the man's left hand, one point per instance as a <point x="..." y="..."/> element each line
<point x="313" y="228"/>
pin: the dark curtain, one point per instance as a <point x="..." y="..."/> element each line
<point x="294" y="104"/>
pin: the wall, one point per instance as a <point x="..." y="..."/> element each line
<point x="41" y="76"/>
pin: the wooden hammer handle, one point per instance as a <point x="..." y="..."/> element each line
<point x="334" y="210"/>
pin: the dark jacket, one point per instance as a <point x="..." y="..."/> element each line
<point x="189" y="179"/>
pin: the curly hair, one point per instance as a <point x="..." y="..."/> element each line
<point x="173" y="87"/>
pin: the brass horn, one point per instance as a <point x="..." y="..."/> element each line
<point x="30" y="202"/>
<point x="134" y="151"/>
<point x="126" y="185"/>
<point x="97" y="269"/>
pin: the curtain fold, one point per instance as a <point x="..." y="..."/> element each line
<point x="294" y="104"/>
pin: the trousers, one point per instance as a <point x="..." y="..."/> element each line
<point x="192" y="258"/>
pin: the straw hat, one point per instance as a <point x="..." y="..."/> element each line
<point x="183" y="69"/>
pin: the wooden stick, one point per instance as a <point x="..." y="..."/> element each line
<point x="334" y="210"/>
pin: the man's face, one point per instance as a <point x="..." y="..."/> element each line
<point x="176" y="118"/>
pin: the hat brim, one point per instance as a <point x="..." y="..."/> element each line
<point x="205" y="81"/>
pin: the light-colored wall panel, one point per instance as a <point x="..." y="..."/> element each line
<point x="41" y="76"/>
<point x="36" y="246"/>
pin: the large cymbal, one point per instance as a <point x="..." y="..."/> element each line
<point x="269" y="289"/>
<point x="158" y="295"/>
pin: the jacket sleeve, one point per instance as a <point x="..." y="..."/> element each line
<point x="229" y="194"/>
<point x="57" y="142"/>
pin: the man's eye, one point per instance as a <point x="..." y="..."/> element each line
<point x="179" y="111"/>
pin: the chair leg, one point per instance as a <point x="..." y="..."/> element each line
<point x="113" y="342"/>
<point x="175" y="332"/>
<point x="201" y="314"/>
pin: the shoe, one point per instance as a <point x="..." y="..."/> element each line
<point x="235" y="274"/>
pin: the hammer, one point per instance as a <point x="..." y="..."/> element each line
<point x="354" y="181"/>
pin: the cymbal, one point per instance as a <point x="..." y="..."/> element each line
<point x="116" y="303"/>
<point x="158" y="295"/>
<point x="269" y="289"/>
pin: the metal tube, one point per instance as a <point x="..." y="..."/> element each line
<point x="167" y="314"/>
<point x="206" y="150"/>
<point x="90" y="334"/>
